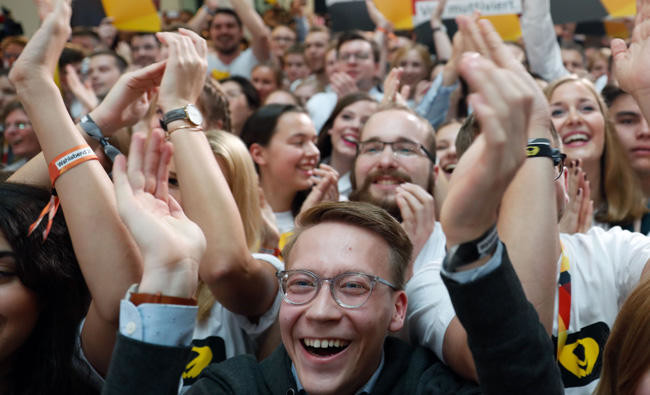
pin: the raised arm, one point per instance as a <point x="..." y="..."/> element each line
<point x="631" y="63"/>
<point x="384" y="28"/>
<point x="238" y="281"/>
<point x="542" y="49"/>
<point x="261" y="35"/>
<point x="103" y="247"/>
<point x="440" y="37"/>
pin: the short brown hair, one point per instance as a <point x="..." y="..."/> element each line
<point x="366" y="216"/>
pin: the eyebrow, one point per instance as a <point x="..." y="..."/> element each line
<point x="627" y="114"/>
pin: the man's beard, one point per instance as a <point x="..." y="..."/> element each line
<point x="387" y="202"/>
<point x="228" y="50"/>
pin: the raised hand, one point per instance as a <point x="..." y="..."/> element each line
<point x="631" y="63"/>
<point x="480" y="36"/>
<point x="579" y="212"/>
<point x="39" y="58"/>
<point x="391" y="88"/>
<point x="186" y="69"/>
<point x="418" y="211"/>
<point x="377" y="17"/>
<point x="128" y="100"/>
<point x="171" y="245"/>
<point x="502" y="102"/>
<point x="325" y="187"/>
<point x="343" y="84"/>
<point x="83" y="91"/>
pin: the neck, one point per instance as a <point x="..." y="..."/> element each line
<point x="644" y="179"/>
<point x="278" y="197"/>
<point x="227" y="58"/>
<point x="341" y="163"/>
<point x="592" y="169"/>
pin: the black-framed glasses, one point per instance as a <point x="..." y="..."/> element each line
<point x="558" y="162"/>
<point x="349" y="290"/>
<point x="401" y="149"/>
<point x="18" y="125"/>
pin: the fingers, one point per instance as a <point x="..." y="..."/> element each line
<point x="472" y="35"/>
<point x="147" y="77"/>
<point x="619" y="49"/>
<point x="162" y="176"/>
<point x="135" y="161"/>
<point x="151" y="161"/>
<point x="199" y="42"/>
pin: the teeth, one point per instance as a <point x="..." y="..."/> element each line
<point x="576" y="137"/>
<point x="325" y="343"/>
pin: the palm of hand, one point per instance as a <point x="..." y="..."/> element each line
<point x="630" y="68"/>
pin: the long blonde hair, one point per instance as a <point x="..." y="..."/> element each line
<point x="239" y="171"/>
<point x="619" y="186"/>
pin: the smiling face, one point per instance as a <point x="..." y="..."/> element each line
<point x="145" y="49"/>
<point x="446" y="147"/>
<point x="329" y="249"/>
<point x="291" y="156"/>
<point x="281" y="39"/>
<point x="355" y="58"/>
<point x="377" y="177"/>
<point x="414" y="68"/>
<point x="20" y="135"/>
<point x="577" y="117"/>
<point x="225" y="33"/>
<point x="347" y="126"/>
<point x="18" y="305"/>
<point x="633" y="132"/>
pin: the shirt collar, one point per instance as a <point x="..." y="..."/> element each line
<point x="366" y="389"/>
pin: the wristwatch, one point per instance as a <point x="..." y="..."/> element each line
<point x="189" y="113"/>
<point x="471" y="251"/>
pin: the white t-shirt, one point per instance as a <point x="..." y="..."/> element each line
<point x="242" y="65"/>
<point x="284" y="221"/>
<point x="224" y="334"/>
<point x="605" y="266"/>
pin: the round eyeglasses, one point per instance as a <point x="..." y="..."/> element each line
<point x="349" y="290"/>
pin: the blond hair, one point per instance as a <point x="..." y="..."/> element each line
<point x="239" y="171"/>
<point x="620" y="189"/>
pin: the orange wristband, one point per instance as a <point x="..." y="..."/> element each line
<point x="62" y="163"/>
<point x="138" y="299"/>
<point x="69" y="159"/>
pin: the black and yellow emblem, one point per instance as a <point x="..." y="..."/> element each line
<point x="581" y="358"/>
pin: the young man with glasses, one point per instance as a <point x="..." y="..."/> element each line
<point x="358" y="65"/>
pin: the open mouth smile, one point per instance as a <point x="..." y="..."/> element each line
<point x="324" y="347"/>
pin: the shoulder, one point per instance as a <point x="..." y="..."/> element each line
<point x="417" y="370"/>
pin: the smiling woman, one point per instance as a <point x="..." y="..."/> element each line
<point x="581" y="119"/>
<point x="43" y="298"/>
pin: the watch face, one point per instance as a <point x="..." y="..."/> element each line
<point x="194" y="115"/>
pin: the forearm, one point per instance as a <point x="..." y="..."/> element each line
<point x="200" y="20"/>
<point x="528" y="226"/>
<point x="87" y="200"/>
<point x="238" y="281"/>
<point x="542" y="49"/>
<point x="261" y="35"/>
<point x="441" y="42"/>
<point x="494" y="311"/>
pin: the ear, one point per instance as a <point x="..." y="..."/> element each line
<point x="258" y="153"/>
<point x="399" y="314"/>
<point x="435" y="173"/>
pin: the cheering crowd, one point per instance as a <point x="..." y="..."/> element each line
<point x="247" y="202"/>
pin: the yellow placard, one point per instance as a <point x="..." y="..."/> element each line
<point x="620" y="8"/>
<point x="507" y="26"/>
<point x="398" y="12"/>
<point x="133" y="15"/>
<point x="616" y="29"/>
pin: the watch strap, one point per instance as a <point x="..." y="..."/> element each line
<point x="90" y="127"/>
<point x="472" y="251"/>
<point x="539" y="147"/>
<point x="173" y="115"/>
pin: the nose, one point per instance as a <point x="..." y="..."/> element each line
<point x="387" y="158"/>
<point x="323" y="307"/>
<point x="644" y="130"/>
<point x="574" y="115"/>
<point x="311" y="149"/>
